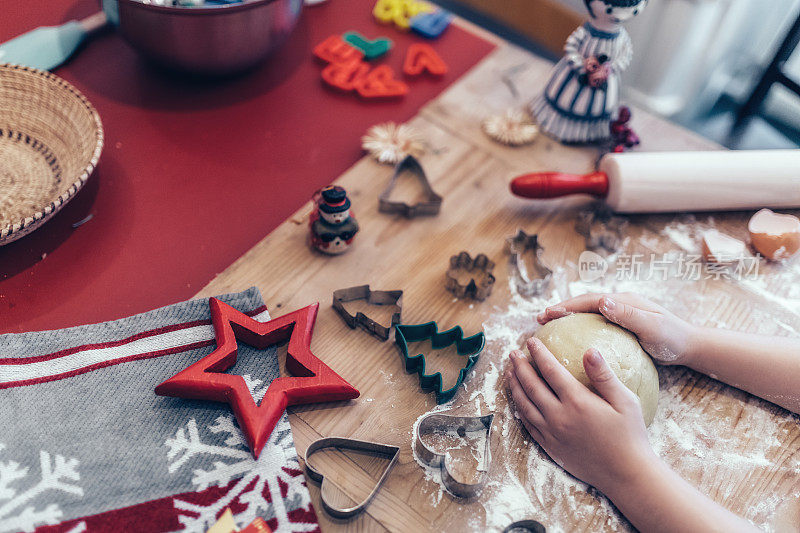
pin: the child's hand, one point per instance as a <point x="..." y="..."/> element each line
<point x="600" y="439"/>
<point x="667" y="338"/>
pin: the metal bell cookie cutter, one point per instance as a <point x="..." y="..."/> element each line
<point x="528" y="283"/>
<point x="429" y="206"/>
<point x="439" y="423"/>
<point x="362" y="292"/>
<point x="479" y="285"/>
<point x="601" y="229"/>
<point x="373" y="448"/>
<point x="525" y="526"/>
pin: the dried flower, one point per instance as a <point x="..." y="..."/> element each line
<point x="513" y="128"/>
<point x="389" y="143"/>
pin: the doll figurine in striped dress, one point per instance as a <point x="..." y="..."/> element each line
<point x="582" y="96"/>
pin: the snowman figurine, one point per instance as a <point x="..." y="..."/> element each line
<point x="332" y="226"/>
<point x="582" y="96"/>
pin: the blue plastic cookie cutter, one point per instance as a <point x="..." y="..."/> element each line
<point x="471" y="346"/>
<point x="431" y="25"/>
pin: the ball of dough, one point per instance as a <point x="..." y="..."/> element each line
<point x="569" y="337"/>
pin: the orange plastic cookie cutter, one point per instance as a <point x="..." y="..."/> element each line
<point x="380" y="83"/>
<point x="421" y="57"/>
<point x="334" y="49"/>
<point x="345" y="76"/>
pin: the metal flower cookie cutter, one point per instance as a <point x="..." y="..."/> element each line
<point x="372" y="448"/>
<point x="481" y="279"/>
<point x="363" y="292"/>
<point x="429" y="205"/>
<point x="462" y="425"/>
<point x="530" y="281"/>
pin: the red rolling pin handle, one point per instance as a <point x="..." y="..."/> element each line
<point x="556" y="184"/>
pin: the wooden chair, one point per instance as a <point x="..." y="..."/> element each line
<point x="772" y="75"/>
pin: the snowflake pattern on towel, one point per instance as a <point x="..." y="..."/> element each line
<point x="18" y="511"/>
<point x="272" y="487"/>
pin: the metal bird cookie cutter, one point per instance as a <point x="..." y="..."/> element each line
<point x="530" y="281"/>
<point x="442" y="423"/>
<point x="363" y="292"/>
<point x="372" y="448"/>
<point x="430" y="205"/>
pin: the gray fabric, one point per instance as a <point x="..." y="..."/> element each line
<point x="45" y="342"/>
<point x="124" y="442"/>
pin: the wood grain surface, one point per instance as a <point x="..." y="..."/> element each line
<point x="391" y="252"/>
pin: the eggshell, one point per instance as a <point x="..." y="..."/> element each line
<point x="721" y="248"/>
<point x="773" y="235"/>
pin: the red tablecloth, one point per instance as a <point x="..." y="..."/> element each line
<point x="193" y="174"/>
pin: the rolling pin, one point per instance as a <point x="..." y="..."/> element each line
<point x="657" y="182"/>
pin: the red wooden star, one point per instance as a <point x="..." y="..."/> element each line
<point x="312" y="380"/>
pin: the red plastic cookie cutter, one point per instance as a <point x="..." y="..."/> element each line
<point x="345" y="76"/>
<point x="334" y="49"/>
<point x="312" y="381"/>
<point x="381" y="83"/>
<point x="421" y="57"/>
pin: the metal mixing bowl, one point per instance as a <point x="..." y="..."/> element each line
<point x="208" y="40"/>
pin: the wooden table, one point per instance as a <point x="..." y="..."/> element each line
<point x="472" y="173"/>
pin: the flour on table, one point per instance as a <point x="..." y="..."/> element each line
<point x="730" y="441"/>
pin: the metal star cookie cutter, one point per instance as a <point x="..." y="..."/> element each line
<point x="479" y="286"/>
<point x="471" y="346"/>
<point x="601" y="228"/>
<point x="363" y="292"/>
<point x="372" y="448"/>
<point x="440" y="423"/>
<point x="525" y="526"/>
<point x="428" y="207"/>
<point x="528" y="283"/>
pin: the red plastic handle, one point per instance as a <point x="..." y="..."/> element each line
<point x="556" y="184"/>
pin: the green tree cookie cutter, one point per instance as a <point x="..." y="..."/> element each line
<point x="470" y="346"/>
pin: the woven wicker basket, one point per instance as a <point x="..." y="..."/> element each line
<point x="50" y="140"/>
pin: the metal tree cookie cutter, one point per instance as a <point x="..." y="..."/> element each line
<point x="601" y="228"/>
<point x="525" y="526"/>
<point x="528" y="283"/>
<point x="471" y="346"/>
<point x="479" y="286"/>
<point x="363" y="292"/>
<point x="373" y="448"/>
<point x="429" y="206"/>
<point x="441" y="423"/>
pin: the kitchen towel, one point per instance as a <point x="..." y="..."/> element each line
<point x="86" y="445"/>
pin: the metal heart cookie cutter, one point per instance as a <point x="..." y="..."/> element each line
<point x="372" y="448"/>
<point x="430" y="205"/>
<point x="362" y="292"/>
<point x="441" y="423"/>
<point x="535" y="280"/>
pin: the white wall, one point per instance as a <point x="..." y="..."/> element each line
<point x="688" y="52"/>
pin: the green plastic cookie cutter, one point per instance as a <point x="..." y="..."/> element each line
<point x="372" y="49"/>
<point x="470" y="346"/>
